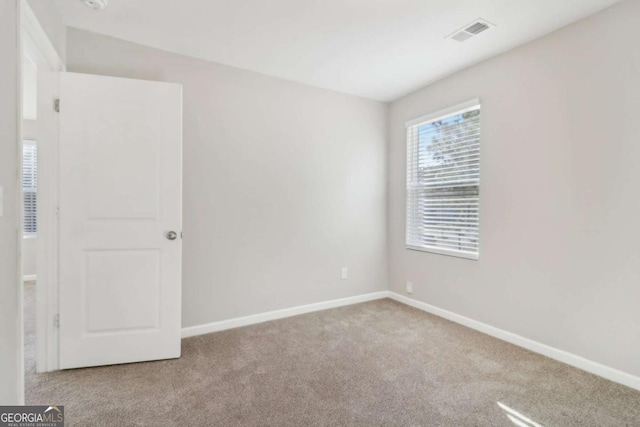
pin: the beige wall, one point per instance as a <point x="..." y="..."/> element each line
<point x="559" y="258"/>
<point x="10" y="321"/>
<point x="284" y="184"/>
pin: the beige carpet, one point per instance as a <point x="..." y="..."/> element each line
<point x="373" y="364"/>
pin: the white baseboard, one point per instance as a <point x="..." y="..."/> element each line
<point x="28" y="277"/>
<point x="237" y="322"/>
<point x="563" y="356"/>
<point x="537" y="347"/>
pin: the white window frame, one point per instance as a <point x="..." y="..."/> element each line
<point x="462" y="108"/>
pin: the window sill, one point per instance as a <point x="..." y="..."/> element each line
<point x="447" y="252"/>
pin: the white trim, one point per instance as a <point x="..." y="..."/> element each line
<point x="19" y="205"/>
<point x="554" y="353"/>
<point x="571" y="359"/>
<point x="441" y="251"/>
<point x="35" y="44"/>
<point x="464" y="107"/>
<point x="47" y="243"/>
<point x="237" y="322"/>
<point x="29" y="277"/>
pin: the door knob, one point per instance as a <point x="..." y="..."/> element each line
<point x="172" y="235"/>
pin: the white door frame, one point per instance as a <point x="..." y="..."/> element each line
<point x="36" y="45"/>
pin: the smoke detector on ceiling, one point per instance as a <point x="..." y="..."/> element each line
<point x="95" y="4"/>
<point x="471" y="30"/>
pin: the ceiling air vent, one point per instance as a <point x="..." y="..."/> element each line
<point x="471" y="30"/>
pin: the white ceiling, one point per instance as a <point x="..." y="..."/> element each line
<point x="379" y="49"/>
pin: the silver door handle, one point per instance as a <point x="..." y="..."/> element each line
<point x="172" y="235"/>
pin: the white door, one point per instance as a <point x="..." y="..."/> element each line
<point x="120" y="199"/>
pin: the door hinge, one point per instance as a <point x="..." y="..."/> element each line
<point x="56" y="105"/>
<point x="56" y="320"/>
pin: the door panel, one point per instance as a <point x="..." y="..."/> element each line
<point x="120" y="193"/>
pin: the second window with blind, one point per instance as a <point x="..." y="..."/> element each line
<point x="443" y="182"/>
<point x="29" y="187"/>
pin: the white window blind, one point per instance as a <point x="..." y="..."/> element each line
<point x="29" y="186"/>
<point x="443" y="182"/>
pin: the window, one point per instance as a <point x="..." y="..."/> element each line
<point x="443" y="181"/>
<point x="29" y="186"/>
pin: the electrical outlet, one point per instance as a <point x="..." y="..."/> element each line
<point x="344" y="273"/>
<point x="409" y="287"/>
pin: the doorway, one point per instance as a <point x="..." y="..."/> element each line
<point x="108" y="215"/>
<point x="37" y="186"/>
<point x="102" y="200"/>
<point x="29" y="210"/>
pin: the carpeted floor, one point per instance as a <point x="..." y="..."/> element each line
<point x="374" y="364"/>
